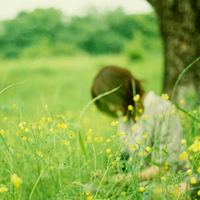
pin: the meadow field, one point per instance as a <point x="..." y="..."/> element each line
<point x="41" y="156"/>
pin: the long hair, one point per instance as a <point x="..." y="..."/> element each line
<point x="109" y="78"/>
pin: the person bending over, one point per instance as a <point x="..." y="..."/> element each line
<point x="144" y="118"/>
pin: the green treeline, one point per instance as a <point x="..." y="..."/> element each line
<point x="50" y="33"/>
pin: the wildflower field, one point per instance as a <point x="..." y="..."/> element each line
<point x="53" y="148"/>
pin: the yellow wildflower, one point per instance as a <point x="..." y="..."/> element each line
<point x="24" y="138"/>
<point x="15" y="105"/>
<point x="16" y="180"/>
<point x="121" y="134"/>
<point x="40" y="154"/>
<point x="110" y="155"/>
<point x="21" y="124"/>
<point x="69" y="148"/>
<point x="176" y="190"/>
<point x="114" y="123"/>
<point x="183" y="141"/>
<point x="187" y="166"/>
<point x="96" y="139"/>
<point x="142" y="189"/>
<point x="182" y="101"/>
<point x="123" y="193"/>
<point x="89" y="132"/>
<point x="194" y="111"/>
<point x="130" y="108"/>
<point x="49" y="119"/>
<point x="130" y="159"/>
<point x="148" y="149"/>
<point x="172" y="112"/>
<point x="198" y="193"/>
<point x="58" y="125"/>
<point x="89" y="138"/>
<point x="160" y="116"/>
<point x="193" y="180"/>
<point x="118" y="158"/>
<point x="71" y="133"/>
<point x="125" y="118"/>
<point x="136" y="97"/>
<point x="3" y="189"/>
<point x="87" y="192"/>
<point x="145" y="135"/>
<point x="140" y="110"/>
<point x="2" y="132"/>
<point x="166" y="166"/>
<point x="108" y="150"/>
<point x="18" y="155"/>
<point x="107" y="140"/>
<point x="139" y="141"/>
<point x="45" y="106"/>
<point x="127" y="143"/>
<point x="136" y="118"/>
<point x="26" y="130"/>
<point x="67" y="143"/>
<point x="198" y="170"/>
<point x="134" y="147"/>
<point x="139" y="154"/>
<point x="50" y="168"/>
<point x="146" y="116"/>
<point x="134" y="127"/>
<point x="89" y="197"/>
<point x="165" y="96"/>
<point x="44" y="118"/>
<point x="163" y="178"/>
<point x="183" y="155"/>
<point x="189" y="171"/>
<point x="64" y="126"/>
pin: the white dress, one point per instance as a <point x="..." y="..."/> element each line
<point x="163" y="128"/>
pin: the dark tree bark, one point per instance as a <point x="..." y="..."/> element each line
<point x="179" y="22"/>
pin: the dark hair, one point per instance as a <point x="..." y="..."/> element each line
<point x="109" y="78"/>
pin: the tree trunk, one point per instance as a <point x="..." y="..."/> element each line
<point x="179" y="22"/>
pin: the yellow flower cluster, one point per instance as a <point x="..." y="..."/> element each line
<point x="183" y="155"/>
<point x="195" y="147"/>
<point x="114" y="123"/>
<point x="136" y="98"/>
<point x="16" y="180"/>
<point x="165" y="96"/>
<point x="3" y="189"/>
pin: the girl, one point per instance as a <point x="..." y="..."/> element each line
<point x="148" y="123"/>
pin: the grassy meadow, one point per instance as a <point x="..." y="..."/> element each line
<point x="40" y="155"/>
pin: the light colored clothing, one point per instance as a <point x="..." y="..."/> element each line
<point x="164" y="132"/>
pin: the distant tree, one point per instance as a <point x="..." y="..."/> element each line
<point x="38" y="33"/>
<point x="179" y="22"/>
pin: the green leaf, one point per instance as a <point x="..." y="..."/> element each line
<point x="82" y="145"/>
<point x="152" y="162"/>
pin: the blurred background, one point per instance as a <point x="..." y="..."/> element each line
<point x="57" y="47"/>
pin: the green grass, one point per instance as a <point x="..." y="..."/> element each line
<point x="44" y="151"/>
<point x="65" y="83"/>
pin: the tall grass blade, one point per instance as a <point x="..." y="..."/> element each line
<point x="81" y="116"/>
<point x="10" y="86"/>
<point x="180" y="76"/>
<point x="188" y="114"/>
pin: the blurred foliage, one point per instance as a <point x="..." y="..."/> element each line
<point x="49" y="32"/>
